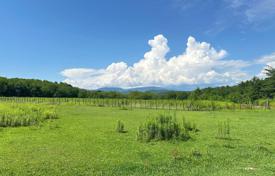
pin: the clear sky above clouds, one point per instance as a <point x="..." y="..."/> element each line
<point x="127" y="43"/>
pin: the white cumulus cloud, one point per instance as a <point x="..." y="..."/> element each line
<point x="268" y="60"/>
<point x="200" y="63"/>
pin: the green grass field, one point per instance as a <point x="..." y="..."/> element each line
<point x="83" y="141"/>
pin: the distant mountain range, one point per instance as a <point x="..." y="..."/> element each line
<point x="139" y="89"/>
<point x="155" y="89"/>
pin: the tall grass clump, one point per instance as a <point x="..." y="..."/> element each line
<point x="163" y="127"/>
<point x="189" y="126"/>
<point x="14" y="115"/>
<point x="120" y="127"/>
<point x="224" y="130"/>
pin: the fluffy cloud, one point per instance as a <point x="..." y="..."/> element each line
<point x="200" y="63"/>
<point x="81" y="72"/>
<point x="268" y="60"/>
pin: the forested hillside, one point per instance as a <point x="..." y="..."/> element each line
<point x="246" y="92"/>
<point x="35" y="88"/>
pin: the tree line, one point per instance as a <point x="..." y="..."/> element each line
<point x="245" y="92"/>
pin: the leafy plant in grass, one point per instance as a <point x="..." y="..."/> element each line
<point x="120" y="127"/>
<point x="189" y="126"/>
<point x="224" y="130"/>
<point x="50" y="114"/>
<point x="163" y="127"/>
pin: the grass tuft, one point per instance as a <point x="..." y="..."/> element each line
<point x="120" y="127"/>
<point x="164" y="127"/>
<point x="224" y="130"/>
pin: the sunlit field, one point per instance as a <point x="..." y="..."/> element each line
<point x="83" y="140"/>
<point x="137" y="88"/>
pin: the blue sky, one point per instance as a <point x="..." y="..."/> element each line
<point x="77" y="40"/>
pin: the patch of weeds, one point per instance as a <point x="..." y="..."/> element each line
<point x="50" y="115"/>
<point x="195" y="154"/>
<point x="224" y="130"/>
<point x="15" y="115"/>
<point x="120" y="128"/>
<point x="176" y="154"/>
<point x="189" y="126"/>
<point x="164" y="127"/>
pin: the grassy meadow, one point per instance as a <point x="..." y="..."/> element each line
<point x="83" y="141"/>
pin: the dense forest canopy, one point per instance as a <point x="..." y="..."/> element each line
<point x="247" y="91"/>
<point x="35" y="88"/>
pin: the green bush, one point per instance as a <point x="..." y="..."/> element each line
<point x="163" y="127"/>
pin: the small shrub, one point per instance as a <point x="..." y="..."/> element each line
<point x="224" y="130"/>
<point x="120" y="127"/>
<point x="163" y="127"/>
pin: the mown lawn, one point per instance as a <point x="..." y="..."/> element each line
<point x="83" y="141"/>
